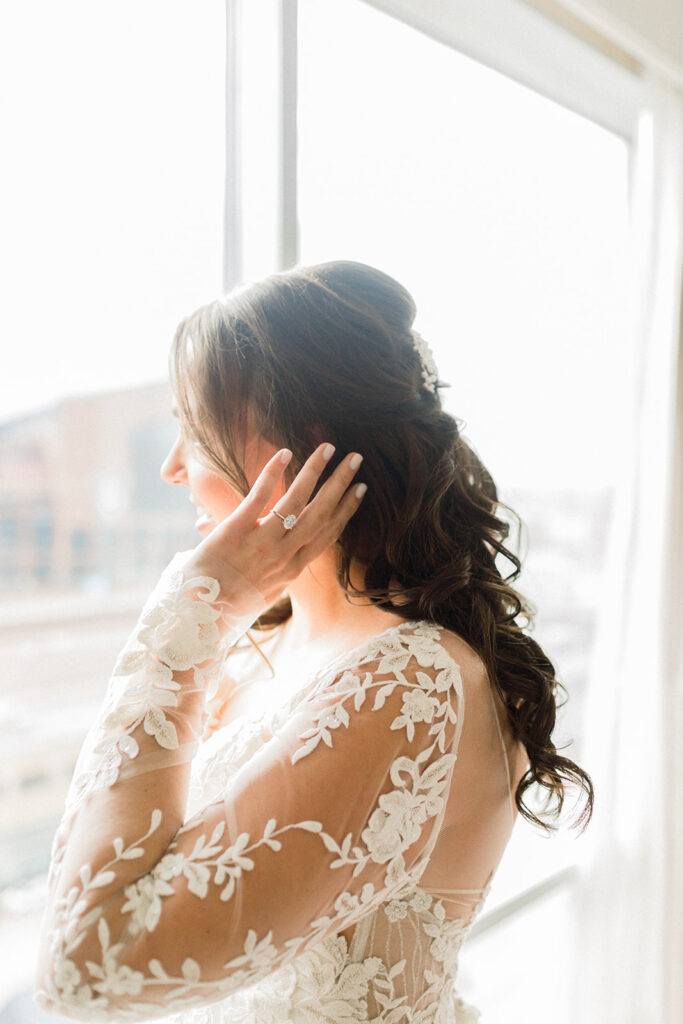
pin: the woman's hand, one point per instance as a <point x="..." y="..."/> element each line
<point x="258" y="547"/>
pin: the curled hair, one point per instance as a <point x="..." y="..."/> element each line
<point x="324" y="353"/>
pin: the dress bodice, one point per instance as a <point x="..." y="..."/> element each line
<point x="328" y="859"/>
<point x="400" y="962"/>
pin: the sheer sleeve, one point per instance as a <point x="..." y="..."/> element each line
<point x="146" y="721"/>
<point x="336" y="813"/>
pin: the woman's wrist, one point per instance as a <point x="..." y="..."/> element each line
<point x="235" y="601"/>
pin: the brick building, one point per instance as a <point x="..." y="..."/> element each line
<point x="81" y="500"/>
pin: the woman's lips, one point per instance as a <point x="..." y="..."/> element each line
<point x="204" y="520"/>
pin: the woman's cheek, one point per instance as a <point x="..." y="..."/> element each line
<point x="214" y="494"/>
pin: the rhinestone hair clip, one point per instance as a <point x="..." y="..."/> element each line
<point x="430" y="374"/>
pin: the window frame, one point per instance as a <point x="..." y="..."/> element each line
<point x="557" y="56"/>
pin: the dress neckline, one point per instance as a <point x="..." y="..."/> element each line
<point x="312" y="678"/>
<point x="284" y="705"/>
<point x="353" y="652"/>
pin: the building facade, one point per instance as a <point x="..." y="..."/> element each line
<point x="81" y="500"/>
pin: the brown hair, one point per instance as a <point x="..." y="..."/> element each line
<point x="325" y="353"/>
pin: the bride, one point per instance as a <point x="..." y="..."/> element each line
<point x="315" y="744"/>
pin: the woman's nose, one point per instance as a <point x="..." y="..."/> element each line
<point x="173" y="468"/>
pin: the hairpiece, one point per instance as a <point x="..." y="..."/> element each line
<point x="430" y="374"/>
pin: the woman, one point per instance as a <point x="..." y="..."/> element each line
<point x="357" y="770"/>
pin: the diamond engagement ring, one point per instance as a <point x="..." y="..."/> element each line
<point x="287" y="521"/>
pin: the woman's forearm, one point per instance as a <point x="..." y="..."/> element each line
<point x="120" y="811"/>
<point x="128" y="798"/>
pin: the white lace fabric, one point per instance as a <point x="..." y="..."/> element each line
<point x="291" y="876"/>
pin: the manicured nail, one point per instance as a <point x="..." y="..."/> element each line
<point x="328" y="452"/>
<point x="355" y="462"/>
<point x="285" y="457"/>
<point x="360" y="490"/>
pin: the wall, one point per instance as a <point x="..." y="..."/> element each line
<point x="650" y="30"/>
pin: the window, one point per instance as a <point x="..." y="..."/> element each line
<point x="112" y="199"/>
<point x="8" y="532"/>
<point x="42" y="535"/>
<point x="112" y="213"/>
<point x="506" y="215"/>
<point x="501" y="202"/>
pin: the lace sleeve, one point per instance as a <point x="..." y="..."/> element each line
<point x="146" y="721"/>
<point x="336" y="813"/>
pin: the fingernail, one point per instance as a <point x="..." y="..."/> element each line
<point x="360" y="490"/>
<point x="328" y="452"/>
<point x="285" y="457"/>
<point x="355" y="462"/>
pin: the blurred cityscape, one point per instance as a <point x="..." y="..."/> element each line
<point x="87" y="525"/>
<point x="82" y="506"/>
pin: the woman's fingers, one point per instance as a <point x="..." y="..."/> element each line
<point x="254" y="504"/>
<point x="329" y="511"/>
<point x="302" y="487"/>
<point x="334" y="489"/>
<point x="334" y="504"/>
<point x="331" y="527"/>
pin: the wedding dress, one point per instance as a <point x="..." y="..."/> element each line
<point x="329" y="856"/>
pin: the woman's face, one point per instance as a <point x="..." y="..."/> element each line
<point x="213" y="496"/>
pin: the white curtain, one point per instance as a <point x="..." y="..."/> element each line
<point x="629" y="949"/>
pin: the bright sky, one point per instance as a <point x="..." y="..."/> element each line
<point x="502" y="213"/>
<point x="112" y="188"/>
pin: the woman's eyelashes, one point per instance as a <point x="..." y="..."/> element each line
<point x="189" y="440"/>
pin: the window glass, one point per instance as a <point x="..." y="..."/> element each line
<point x="113" y="132"/>
<point x="506" y="216"/>
<point x="111" y="206"/>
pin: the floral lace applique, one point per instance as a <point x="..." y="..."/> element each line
<point x="238" y="913"/>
